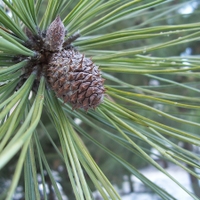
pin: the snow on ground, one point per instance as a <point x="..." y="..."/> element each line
<point x="163" y="181"/>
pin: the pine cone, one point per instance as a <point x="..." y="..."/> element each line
<point x="75" y="79"/>
<point x="55" y="35"/>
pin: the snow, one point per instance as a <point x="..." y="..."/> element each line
<point x="161" y="180"/>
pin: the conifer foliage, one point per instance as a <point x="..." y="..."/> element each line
<point x="54" y="59"/>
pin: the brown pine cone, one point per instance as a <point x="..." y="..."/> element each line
<point x="75" y="79"/>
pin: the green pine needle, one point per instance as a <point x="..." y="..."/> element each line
<point x="133" y="43"/>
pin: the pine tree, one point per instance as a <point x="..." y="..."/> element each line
<point x="91" y="60"/>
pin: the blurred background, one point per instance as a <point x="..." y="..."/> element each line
<point x="128" y="186"/>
